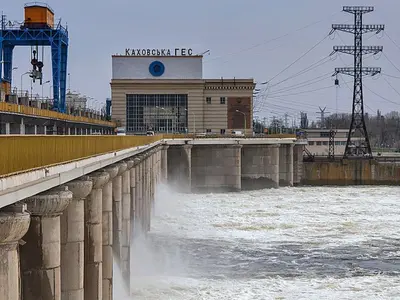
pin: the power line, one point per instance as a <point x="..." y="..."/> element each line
<point x="274" y="39"/>
<point x="304" y="54"/>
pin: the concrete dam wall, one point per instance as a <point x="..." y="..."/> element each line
<point x="233" y="167"/>
<point x="351" y="172"/>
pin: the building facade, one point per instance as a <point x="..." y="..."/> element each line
<point x="318" y="141"/>
<point x="168" y="94"/>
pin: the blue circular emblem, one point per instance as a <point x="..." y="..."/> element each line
<point x="156" y="68"/>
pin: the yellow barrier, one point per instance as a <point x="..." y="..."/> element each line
<point x="32" y="111"/>
<point x="228" y="136"/>
<point x="24" y="152"/>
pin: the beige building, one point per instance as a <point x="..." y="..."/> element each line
<point x="318" y="141"/>
<point x="169" y="94"/>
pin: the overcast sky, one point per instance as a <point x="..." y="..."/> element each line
<point x="238" y="35"/>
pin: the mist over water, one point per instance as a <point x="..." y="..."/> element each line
<point x="287" y="243"/>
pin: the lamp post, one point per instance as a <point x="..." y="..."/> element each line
<point x="244" y="115"/>
<point x="48" y="81"/>
<point x="194" y="121"/>
<point x="22" y="75"/>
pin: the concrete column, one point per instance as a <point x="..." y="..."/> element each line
<point x="260" y="166"/>
<point x="286" y="165"/>
<point x="72" y="241"/>
<point x="164" y="163"/>
<point x="8" y="130"/>
<point x="107" y="236"/>
<point x="45" y="130"/>
<point x="14" y="223"/>
<point x="179" y="167"/>
<point x="126" y="223"/>
<point x="298" y="164"/>
<point x="216" y="168"/>
<point x="22" y="127"/>
<point x="138" y="194"/>
<point x="117" y="210"/>
<point x="93" y="276"/>
<point x="69" y="130"/>
<point x="35" y="129"/>
<point x="76" y="131"/>
<point x="40" y="256"/>
<point x="134" y="194"/>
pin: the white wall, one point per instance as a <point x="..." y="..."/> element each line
<point x="130" y="67"/>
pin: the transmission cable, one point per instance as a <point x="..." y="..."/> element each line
<point x="304" y="54"/>
<point x="273" y="39"/>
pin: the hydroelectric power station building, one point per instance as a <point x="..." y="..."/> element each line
<point x="164" y="91"/>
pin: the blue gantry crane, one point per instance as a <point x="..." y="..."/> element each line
<point x="38" y="29"/>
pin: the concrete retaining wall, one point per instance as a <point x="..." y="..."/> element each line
<point x="351" y="172"/>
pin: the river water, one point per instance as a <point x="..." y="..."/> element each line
<point x="287" y="243"/>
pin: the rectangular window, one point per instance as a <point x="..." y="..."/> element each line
<point x="325" y="143"/>
<point x="208" y="100"/>
<point x="311" y="143"/>
<point x="324" y="134"/>
<point x="222" y="100"/>
<point x="161" y="113"/>
<point x="319" y="143"/>
<point x="222" y="131"/>
<point x="208" y="130"/>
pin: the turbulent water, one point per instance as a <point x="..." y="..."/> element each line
<point x="287" y="243"/>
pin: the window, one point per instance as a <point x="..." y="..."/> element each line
<point x="208" y="100"/>
<point x="319" y="143"/>
<point x="222" y="131"/>
<point x="325" y="143"/>
<point x="222" y="100"/>
<point x="324" y="134"/>
<point x="311" y="143"/>
<point x="156" y="112"/>
<point x="208" y="130"/>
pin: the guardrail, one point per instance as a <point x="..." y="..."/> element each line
<point x="24" y="152"/>
<point x="32" y="111"/>
<point x="229" y="136"/>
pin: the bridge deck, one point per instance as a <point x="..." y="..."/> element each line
<point x="21" y="153"/>
<point x="10" y="108"/>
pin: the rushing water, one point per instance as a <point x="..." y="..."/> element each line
<point x="287" y="243"/>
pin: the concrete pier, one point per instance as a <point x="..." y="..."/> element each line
<point x="40" y="256"/>
<point x="93" y="274"/>
<point x="179" y="167"/>
<point x="117" y="210"/>
<point x="107" y="233"/>
<point x="260" y="166"/>
<point x="72" y="241"/>
<point x="126" y="222"/>
<point x="14" y="223"/>
<point x="216" y="169"/>
<point x="164" y="163"/>
<point x="286" y="165"/>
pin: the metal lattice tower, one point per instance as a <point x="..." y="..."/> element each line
<point x="331" y="153"/>
<point x="358" y="144"/>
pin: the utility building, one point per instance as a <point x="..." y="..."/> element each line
<point x="164" y="91"/>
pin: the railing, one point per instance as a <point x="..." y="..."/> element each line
<point x="229" y="136"/>
<point x="32" y="111"/>
<point x="23" y="152"/>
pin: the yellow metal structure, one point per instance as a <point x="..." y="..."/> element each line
<point x="31" y="111"/>
<point x="38" y="14"/>
<point x="24" y="152"/>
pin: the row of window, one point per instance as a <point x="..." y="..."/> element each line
<point x="222" y="100"/>
<point x="319" y="143"/>
<point x="222" y="131"/>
